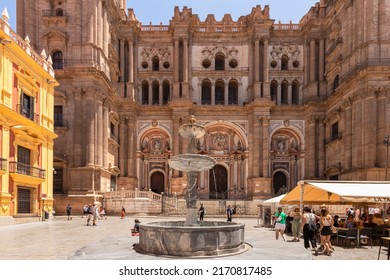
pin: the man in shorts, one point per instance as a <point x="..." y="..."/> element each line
<point x="280" y="223"/>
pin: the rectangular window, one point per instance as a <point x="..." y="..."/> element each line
<point x="27" y="106"/>
<point x="24" y="161"/>
<point x="335" y="131"/>
<point x="58" y="118"/>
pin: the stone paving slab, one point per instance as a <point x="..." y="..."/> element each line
<point x="60" y="239"/>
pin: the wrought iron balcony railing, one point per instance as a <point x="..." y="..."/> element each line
<point x="61" y="123"/>
<point x="28" y="113"/>
<point x="3" y="164"/>
<point x="21" y="168"/>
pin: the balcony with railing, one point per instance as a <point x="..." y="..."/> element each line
<point x="28" y="113"/>
<point x="59" y="123"/>
<point x="3" y="165"/>
<point x="55" y="16"/>
<point x="25" y="169"/>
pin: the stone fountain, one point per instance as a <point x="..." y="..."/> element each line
<point x="189" y="238"/>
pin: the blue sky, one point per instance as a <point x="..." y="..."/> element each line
<point x="284" y="10"/>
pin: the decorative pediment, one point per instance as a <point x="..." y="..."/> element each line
<point x="56" y="34"/>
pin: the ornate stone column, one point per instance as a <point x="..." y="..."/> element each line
<point x="256" y="63"/>
<point x="122" y="148"/>
<point x="279" y="94"/>
<point x="99" y="124"/>
<point x="266" y="84"/>
<point x="105" y="136"/>
<point x="265" y="144"/>
<point x="312" y="59"/>
<point x="310" y="147"/>
<point x="79" y="126"/>
<point x="175" y="138"/>
<point x="256" y="146"/>
<point x="90" y="128"/>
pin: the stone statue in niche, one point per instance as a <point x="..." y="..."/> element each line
<point x="219" y="141"/>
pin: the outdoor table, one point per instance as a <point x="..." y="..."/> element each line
<point x="383" y="240"/>
<point x="388" y="231"/>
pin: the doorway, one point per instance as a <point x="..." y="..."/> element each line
<point x="218" y="182"/>
<point x="157" y="182"/>
<point x="279" y="183"/>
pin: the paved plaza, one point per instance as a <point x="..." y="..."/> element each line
<point x="62" y="239"/>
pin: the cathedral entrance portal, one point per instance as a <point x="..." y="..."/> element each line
<point x="279" y="183"/>
<point x="157" y="182"/>
<point x="218" y="185"/>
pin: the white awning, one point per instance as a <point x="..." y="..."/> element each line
<point x="275" y="199"/>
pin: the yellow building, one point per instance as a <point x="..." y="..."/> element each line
<point x="26" y="128"/>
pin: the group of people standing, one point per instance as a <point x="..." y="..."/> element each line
<point x="301" y="224"/>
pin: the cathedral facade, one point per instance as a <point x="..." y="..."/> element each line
<point x="281" y="102"/>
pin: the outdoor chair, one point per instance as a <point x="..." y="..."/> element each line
<point x="350" y="235"/>
<point x="378" y="231"/>
<point x="365" y="234"/>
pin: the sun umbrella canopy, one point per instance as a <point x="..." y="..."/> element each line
<point x="338" y="192"/>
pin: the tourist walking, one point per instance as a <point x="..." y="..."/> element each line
<point x="95" y="214"/>
<point x="229" y="213"/>
<point x="308" y="235"/>
<point x="280" y="223"/>
<point x="201" y="212"/>
<point x="89" y="213"/>
<point x="326" y="222"/>
<point x="123" y="212"/>
<point x="69" y="211"/>
<point x="85" y="210"/>
<point x="296" y="224"/>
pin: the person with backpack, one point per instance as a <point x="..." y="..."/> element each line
<point x="308" y="235"/>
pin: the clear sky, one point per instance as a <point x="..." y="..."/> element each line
<point x="157" y="11"/>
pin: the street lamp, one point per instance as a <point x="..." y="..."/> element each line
<point x="386" y="142"/>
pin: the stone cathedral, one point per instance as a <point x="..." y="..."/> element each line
<point x="281" y="102"/>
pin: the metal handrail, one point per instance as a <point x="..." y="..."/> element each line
<point x="3" y="164"/>
<point x="25" y="169"/>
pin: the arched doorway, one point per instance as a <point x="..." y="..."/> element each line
<point x="279" y="183"/>
<point x="218" y="185"/>
<point x="157" y="182"/>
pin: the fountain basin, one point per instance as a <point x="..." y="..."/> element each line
<point x="191" y="162"/>
<point x="210" y="238"/>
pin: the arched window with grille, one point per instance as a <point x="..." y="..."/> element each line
<point x="155" y="93"/>
<point x="58" y="60"/>
<point x="145" y="93"/>
<point x="155" y="63"/>
<point x="295" y="92"/>
<point x="284" y="96"/>
<point x="219" y="93"/>
<point x="233" y="92"/>
<point x="220" y="62"/>
<point x="166" y="92"/>
<point x="284" y="65"/>
<point x="206" y="92"/>
<point x="274" y="90"/>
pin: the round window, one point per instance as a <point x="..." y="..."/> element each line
<point x="274" y="64"/>
<point x="233" y="63"/>
<point x="166" y="64"/>
<point x="144" y="65"/>
<point x="206" y="63"/>
<point x="296" y="64"/>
